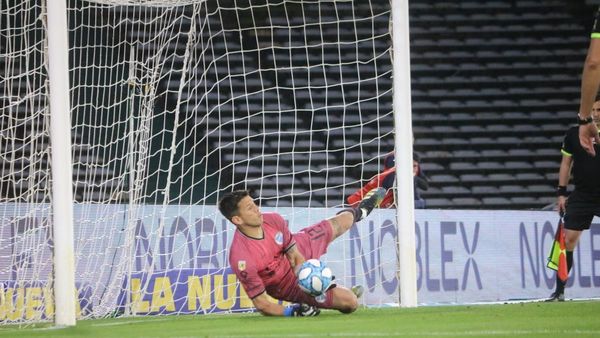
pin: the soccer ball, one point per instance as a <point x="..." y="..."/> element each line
<point x="314" y="277"/>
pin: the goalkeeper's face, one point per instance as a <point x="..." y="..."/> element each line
<point x="248" y="213"/>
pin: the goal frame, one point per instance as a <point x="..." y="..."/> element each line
<point x="403" y="142"/>
<point x="62" y="201"/>
<point x="60" y="138"/>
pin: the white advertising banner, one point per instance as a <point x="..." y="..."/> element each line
<point x="462" y="256"/>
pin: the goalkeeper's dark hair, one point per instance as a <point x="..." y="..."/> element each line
<point x="228" y="204"/>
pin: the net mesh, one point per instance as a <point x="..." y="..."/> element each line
<point x="174" y="103"/>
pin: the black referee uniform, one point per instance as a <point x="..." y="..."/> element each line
<point x="584" y="201"/>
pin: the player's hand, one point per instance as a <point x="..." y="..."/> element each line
<point x="305" y="310"/>
<point x="561" y="204"/>
<point x="587" y="135"/>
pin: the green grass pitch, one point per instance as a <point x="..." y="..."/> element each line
<point x="568" y="319"/>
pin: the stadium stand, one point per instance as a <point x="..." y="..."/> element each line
<point x="495" y="83"/>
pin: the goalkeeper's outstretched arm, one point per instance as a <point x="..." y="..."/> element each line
<point x="267" y="308"/>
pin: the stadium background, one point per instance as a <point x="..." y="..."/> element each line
<point x="495" y="85"/>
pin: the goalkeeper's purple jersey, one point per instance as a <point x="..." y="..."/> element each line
<point x="261" y="264"/>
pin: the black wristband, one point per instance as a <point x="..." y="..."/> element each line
<point x="561" y="190"/>
<point x="585" y="121"/>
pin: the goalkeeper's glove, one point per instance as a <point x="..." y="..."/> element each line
<point x="301" y="310"/>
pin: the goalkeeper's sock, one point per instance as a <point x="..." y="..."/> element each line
<point x="356" y="214"/>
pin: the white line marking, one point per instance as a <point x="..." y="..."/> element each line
<point x="125" y="322"/>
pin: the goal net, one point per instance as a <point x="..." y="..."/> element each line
<point x="172" y="104"/>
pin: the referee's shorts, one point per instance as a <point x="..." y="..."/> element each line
<point x="580" y="210"/>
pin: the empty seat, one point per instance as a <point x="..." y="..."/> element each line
<point x="433" y="203"/>
<point x="436" y="154"/>
<point x="546" y="165"/>
<point x="466" y="202"/>
<point x="493" y="153"/>
<point x="539" y="188"/>
<point x="455" y="190"/>
<point x="495" y="201"/>
<point x="512" y="189"/>
<point x="443" y="178"/>
<point x="490" y="165"/>
<point x="498" y="128"/>
<point x="519" y="165"/>
<point x="484" y="190"/>
<point x="544" y="200"/>
<point x="521" y="153"/>
<point x="469" y="178"/>
<point x="462" y="166"/>
<point x="482" y="140"/>
<point x="276" y="203"/>
<point x="432" y="166"/>
<point x="500" y="177"/>
<point x="467" y="153"/>
<point x="471" y="129"/>
<point x="529" y="177"/>
<point x="548" y="152"/>
<point x="524" y="201"/>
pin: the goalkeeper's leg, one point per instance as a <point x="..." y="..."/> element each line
<point x="339" y="298"/>
<point x="345" y="218"/>
<point x="313" y="241"/>
<point x="344" y="300"/>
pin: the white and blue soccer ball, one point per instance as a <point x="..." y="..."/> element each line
<point x="314" y="277"/>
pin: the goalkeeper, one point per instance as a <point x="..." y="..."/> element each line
<point x="265" y="255"/>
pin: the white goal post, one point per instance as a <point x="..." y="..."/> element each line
<point x="123" y="121"/>
<point x="61" y="167"/>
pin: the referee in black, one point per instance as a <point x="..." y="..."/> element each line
<point x="584" y="202"/>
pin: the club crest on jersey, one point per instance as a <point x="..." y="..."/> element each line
<point x="279" y="238"/>
<point x="241" y="265"/>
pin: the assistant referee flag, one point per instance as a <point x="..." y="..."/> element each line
<point x="557" y="259"/>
